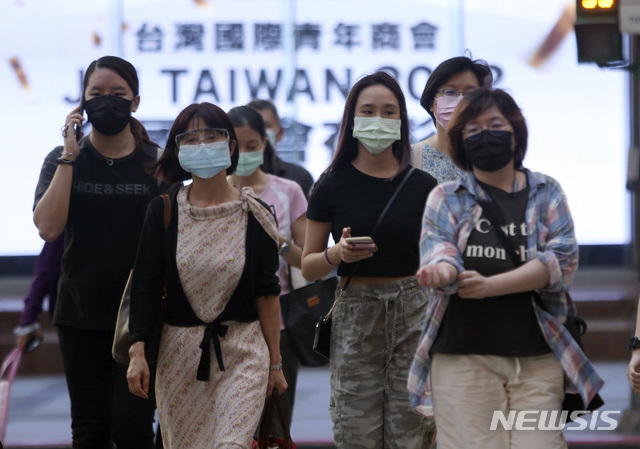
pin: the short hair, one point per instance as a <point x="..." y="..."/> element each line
<point x="449" y="68"/>
<point x="347" y="149"/>
<point x="168" y="166"/>
<point x="474" y="104"/>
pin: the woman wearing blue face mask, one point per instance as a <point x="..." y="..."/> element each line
<point x="96" y="189"/>
<point x="219" y="352"/>
<point x="290" y="206"/>
<point x="377" y="323"/>
<point x="491" y="344"/>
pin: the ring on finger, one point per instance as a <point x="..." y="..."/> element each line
<point x="64" y="129"/>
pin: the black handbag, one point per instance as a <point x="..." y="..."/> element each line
<point x="264" y="439"/>
<point x="576" y="326"/>
<point x="322" y="337"/>
<point x="301" y="310"/>
<point x="121" y="342"/>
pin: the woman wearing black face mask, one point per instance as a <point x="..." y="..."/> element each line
<point x="96" y="189"/>
<point x="489" y="240"/>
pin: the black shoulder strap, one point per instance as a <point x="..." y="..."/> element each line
<point x="377" y="225"/>
<point x="508" y="246"/>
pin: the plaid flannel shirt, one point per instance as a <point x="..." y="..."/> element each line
<point x="450" y="215"/>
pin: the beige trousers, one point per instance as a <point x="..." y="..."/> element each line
<point x="467" y="389"/>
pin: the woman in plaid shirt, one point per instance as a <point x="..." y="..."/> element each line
<point x="487" y="345"/>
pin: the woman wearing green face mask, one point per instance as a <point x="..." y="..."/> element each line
<point x="376" y="325"/>
<point x="290" y="206"/>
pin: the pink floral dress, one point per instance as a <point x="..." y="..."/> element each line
<point x="225" y="411"/>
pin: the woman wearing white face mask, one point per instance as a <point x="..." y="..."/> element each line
<point x="219" y="259"/>
<point x="444" y="90"/>
<point x="290" y="206"/>
<point x="377" y="323"/>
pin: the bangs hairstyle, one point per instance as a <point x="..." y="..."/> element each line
<point x="443" y="73"/>
<point x="347" y="149"/>
<point x="472" y="105"/>
<point x="168" y="166"/>
<point x="126" y="71"/>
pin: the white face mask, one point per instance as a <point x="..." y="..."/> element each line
<point x="271" y="134"/>
<point x="248" y="162"/>
<point x="205" y="160"/>
<point x="376" y="134"/>
<point x="444" y="109"/>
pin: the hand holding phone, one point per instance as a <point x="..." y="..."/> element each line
<point x="78" y="129"/>
<point x="362" y="243"/>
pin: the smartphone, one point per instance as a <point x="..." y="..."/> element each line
<point x="362" y="243"/>
<point x="32" y="344"/>
<point x="78" y="129"/>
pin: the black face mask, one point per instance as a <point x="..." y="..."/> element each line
<point x="108" y="114"/>
<point x="489" y="152"/>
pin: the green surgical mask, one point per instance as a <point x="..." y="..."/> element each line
<point x="248" y="162"/>
<point x="376" y="133"/>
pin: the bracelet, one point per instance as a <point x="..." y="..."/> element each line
<point x="62" y="160"/>
<point x="20" y="331"/>
<point x="285" y="247"/>
<point x="66" y="153"/>
<point x="326" y="258"/>
<point x="276" y="367"/>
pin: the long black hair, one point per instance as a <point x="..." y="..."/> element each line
<point x="348" y="145"/>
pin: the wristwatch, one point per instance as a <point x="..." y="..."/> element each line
<point x="285" y="247"/>
<point x="634" y="343"/>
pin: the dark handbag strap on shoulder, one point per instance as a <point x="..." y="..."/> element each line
<point x="506" y="243"/>
<point x="375" y="228"/>
<point x="510" y="250"/>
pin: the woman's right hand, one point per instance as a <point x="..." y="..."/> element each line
<point x="347" y="252"/>
<point x="21" y="341"/>
<point x="71" y="148"/>
<point x="436" y="276"/>
<point x="138" y="375"/>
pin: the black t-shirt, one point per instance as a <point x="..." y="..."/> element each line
<point x="347" y="197"/>
<point x="107" y="208"/>
<point x="501" y="325"/>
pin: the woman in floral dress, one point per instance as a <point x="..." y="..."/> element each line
<point x="219" y="351"/>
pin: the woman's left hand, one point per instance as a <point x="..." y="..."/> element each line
<point x="138" y="375"/>
<point x="633" y="371"/>
<point x="472" y="284"/>
<point x="277" y="381"/>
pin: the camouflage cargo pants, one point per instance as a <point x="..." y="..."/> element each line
<point x="375" y="332"/>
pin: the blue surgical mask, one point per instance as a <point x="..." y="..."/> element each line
<point x="205" y="160"/>
<point x="376" y="134"/>
<point x="248" y="162"/>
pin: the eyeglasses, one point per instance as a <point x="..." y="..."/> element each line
<point x="473" y="131"/>
<point x="197" y="136"/>
<point x="451" y="92"/>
